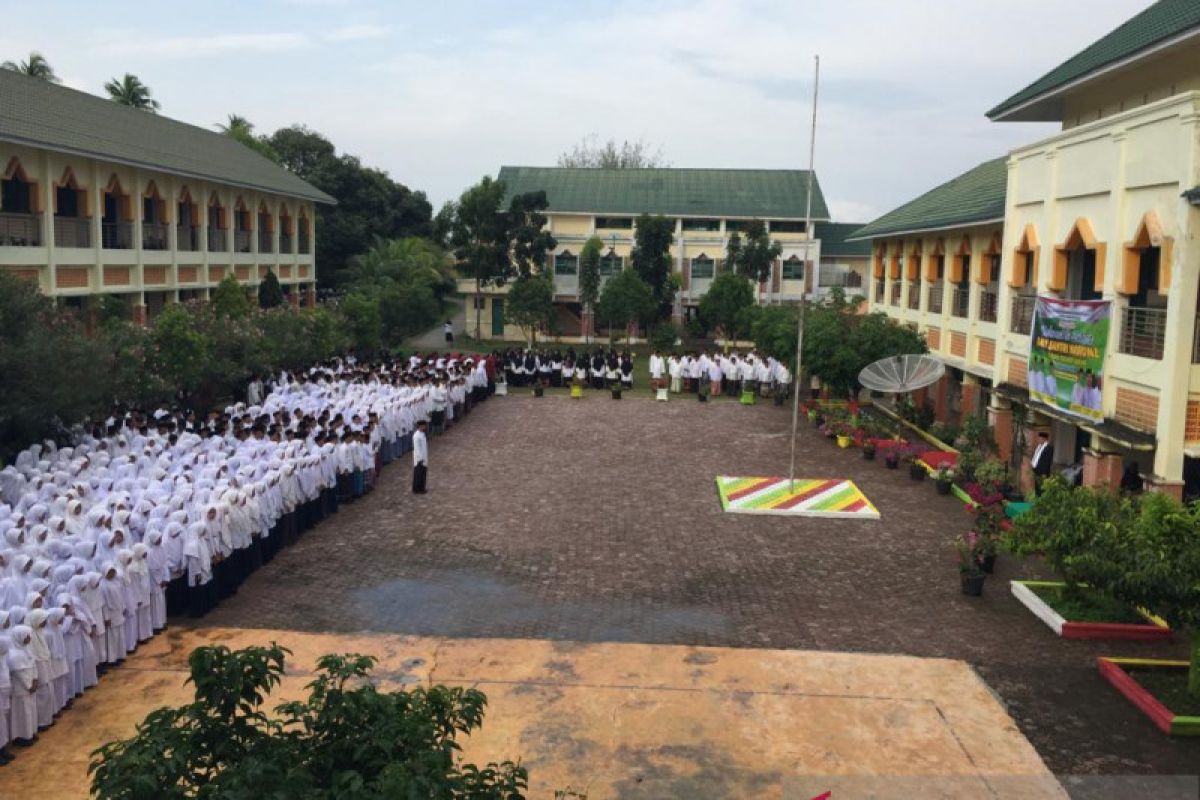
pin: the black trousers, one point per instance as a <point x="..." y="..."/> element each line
<point x="420" y="471"/>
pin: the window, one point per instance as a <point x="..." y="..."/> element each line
<point x="15" y="196"/>
<point x="566" y="264"/>
<point x="615" y="223"/>
<point x="736" y="225"/>
<point x="787" y="226"/>
<point x="702" y="224"/>
<point x="702" y="268"/>
<point x="611" y="264"/>
<point x="793" y="269"/>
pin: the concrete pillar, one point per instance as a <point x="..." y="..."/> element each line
<point x="1001" y="422"/>
<point x="1101" y="469"/>
<point x="1173" y="488"/>
<point x="941" y="397"/>
<point x="970" y="396"/>
<point x="312" y="295"/>
<point x="139" y="314"/>
<point x="293" y="297"/>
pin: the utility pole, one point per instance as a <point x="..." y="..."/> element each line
<point x="808" y="267"/>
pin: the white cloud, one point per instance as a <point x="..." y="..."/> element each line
<point x="356" y="33"/>
<point x="851" y="210"/>
<point x="183" y="47"/>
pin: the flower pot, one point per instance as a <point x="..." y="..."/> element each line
<point x="944" y="487"/>
<point x="972" y="584"/>
<point x="916" y="472"/>
<point x="988" y="564"/>
<point x="703" y="398"/>
<point x="868" y="454"/>
<point x="891" y="463"/>
<point x="843" y="441"/>
<point x="577" y="391"/>
<point x="538" y="391"/>
<point x="616" y="394"/>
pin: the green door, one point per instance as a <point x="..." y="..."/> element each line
<point x="497" y="317"/>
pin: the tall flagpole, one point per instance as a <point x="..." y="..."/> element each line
<point x="808" y="265"/>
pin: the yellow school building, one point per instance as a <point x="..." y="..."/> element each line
<point x="1105" y="209"/>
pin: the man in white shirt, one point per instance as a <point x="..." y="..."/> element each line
<point x="656" y="369"/>
<point x="420" y="458"/>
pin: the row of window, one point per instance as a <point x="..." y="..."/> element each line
<point x="708" y="225"/>
<point x="566" y="264"/>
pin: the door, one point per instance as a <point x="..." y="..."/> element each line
<point x="497" y="317"/>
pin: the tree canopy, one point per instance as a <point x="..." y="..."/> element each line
<point x="345" y="739"/>
<point x="530" y="304"/>
<point x="130" y="91"/>
<point x="725" y="304"/>
<point x="626" y="299"/>
<point x="592" y="153"/>
<point x="270" y="293"/>
<point x="651" y="258"/>
<point x="589" y="272"/>
<point x="753" y="255"/>
<point x="242" y="130"/>
<point x="36" y="67"/>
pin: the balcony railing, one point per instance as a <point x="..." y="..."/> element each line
<point x="961" y="303"/>
<point x="1021" y="320"/>
<point x="285" y="243"/>
<point x="72" y="232"/>
<point x="187" y="238"/>
<point x="914" y="296"/>
<point x="20" y="230"/>
<point x="895" y="298"/>
<point x="116" y="235"/>
<point x="1143" y="331"/>
<point x="266" y="243"/>
<point x="241" y="241"/>
<point x="988" y="304"/>
<point x="304" y="244"/>
<point x="936" y="290"/>
<point x="217" y="240"/>
<point x="155" y="236"/>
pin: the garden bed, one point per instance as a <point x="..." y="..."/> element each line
<point x="1097" y="618"/>
<point x="1158" y="688"/>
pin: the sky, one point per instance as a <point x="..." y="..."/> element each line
<point x="439" y="94"/>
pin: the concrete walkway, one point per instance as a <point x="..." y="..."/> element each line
<point x="628" y="720"/>
<point x="434" y="338"/>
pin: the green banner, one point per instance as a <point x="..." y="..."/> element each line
<point x="1066" y="354"/>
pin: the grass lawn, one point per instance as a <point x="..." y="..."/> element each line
<point x="1088" y="607"/>
<point x="1169" y="687"/>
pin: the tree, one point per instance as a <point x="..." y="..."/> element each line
<point x="589" y="273"/>
<point x="229" y="299"/>
<point x="130" y="91"/>
<point x="180" y="351"/>
<point x="346" y="739"/>
<point x="651" y="257"/>
<point x="626" y="299"/>
<point x="364" y="321"/>
<point x="591" y="153"/>
<point x="242" y="130"/>
<point x="480" y="239"/>
<point x="443" y="223"/>
<point x="529" y="238"/>
<point x="723" y="305"/>
<point x="369" y="202"/>
<point x="754" y="255"/>
<point x="774" y="333"/>
<point x="36" y="67"/>
<point x="270" y="293"/>
<point x="530" y="304"/>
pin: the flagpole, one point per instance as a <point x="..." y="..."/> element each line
<point x="809" y="266"/>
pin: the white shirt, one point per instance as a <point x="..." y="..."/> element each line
<point x="420" y="448"/>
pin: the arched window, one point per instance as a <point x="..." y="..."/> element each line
<point x="154" y="219"/>
<point x="187" y="231"/>
<point x="285" y="229"/>
<point x="1023" y="276"/>
<point x="793" y="268"/>
<point x="989" y="277"/>
<point x="72" y="212"/>
<point x="19" y="208"/>
<point x="117" y="221"/>
<point x="266" y="229"/>
<point x="241" y="226"/>
<point x="1079" y="263"/>
<point x="566" y="264"/>
<point x="703" y="268"/>
<point x="218" y="225"/>
<point x="611" y="264"/>
<point x="960" y="277"/>
<point x="935" y="277"/>
<point x="304" y="240"/>
<point x="1145" y="278"/>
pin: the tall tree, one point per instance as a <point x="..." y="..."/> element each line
<point x="270" y="293"/>
<point x="589" y="273"/>
<point x="724" y="304"/>
<point x="527" y="232"/>
<point x="36" y="67"/>
<point x="480" y="238"/>
<point x="443" y="223"/>
<point x="652" y="258"/>
<point x="530" y="304"/>
<point x="130" y="91"/>
<point x="592" y="153"/>
<point x="626" y="299"/>
<point x="242" y="130"/>
<point x="755" y="254"/>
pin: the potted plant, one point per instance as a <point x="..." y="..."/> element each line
<point x="818" y="419"/>
<point x="868" y="450"/>
<point x="989" y="523"/>
<point x="615" y="388"/>
<point x="892" y="458"/>
<point x="538" y="390"/>
<point x="970" y="567"/>
<point x="915" y="471"/>
<point x="844" y="435"/>
<point x="943" y="479"/>
<point x="702" y="391"/>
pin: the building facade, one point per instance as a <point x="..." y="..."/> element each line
<point x="707" y="205"/>
<point x="101" y="199"/>
<point x="1106" y="210"/>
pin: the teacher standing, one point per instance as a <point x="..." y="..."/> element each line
<point x="420" y="458"/>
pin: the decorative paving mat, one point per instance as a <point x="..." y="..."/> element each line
<point x="811" y="497"/>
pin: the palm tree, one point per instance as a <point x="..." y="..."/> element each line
<point x="238" y="127"/>
<point x="130" y="91"/>
<point x="36" y="67"/>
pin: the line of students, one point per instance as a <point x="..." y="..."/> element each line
<point x="147" y="514"/>
<point x="598" y="369"/>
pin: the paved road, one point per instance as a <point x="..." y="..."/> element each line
<point x="434" y="338"/>
<point x="598" y="520"/>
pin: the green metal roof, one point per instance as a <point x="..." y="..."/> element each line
<point x="41" y="114"/>
<point x="833" y="239"/>
<point x="1161" y="22"/>
<point x="749" y="193"/>
<point x="976" y="196"/>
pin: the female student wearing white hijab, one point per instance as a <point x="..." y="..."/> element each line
<point x="39" y="648"/>
<point x="22" y="669"/>
<point x="112" y="589"/>
<point x="5" y="698"/>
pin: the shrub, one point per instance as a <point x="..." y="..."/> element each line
<point x="664" y="336"/>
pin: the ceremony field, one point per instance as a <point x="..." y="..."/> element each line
<point x="595" y="522"/>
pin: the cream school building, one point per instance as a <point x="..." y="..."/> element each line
<point x="97" y="198"/>
<point x="707" y="207"/>
<point x="1106" y="209"/>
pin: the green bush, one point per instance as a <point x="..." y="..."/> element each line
<point x="663" y="337"/>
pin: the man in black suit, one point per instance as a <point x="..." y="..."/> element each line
<point x="1042" y="460"/>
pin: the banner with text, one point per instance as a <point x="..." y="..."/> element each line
<point x="1066" y="354"/>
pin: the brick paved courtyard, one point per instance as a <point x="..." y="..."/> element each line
<point x="599" y="521"/>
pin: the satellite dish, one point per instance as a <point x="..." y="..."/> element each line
<point x="898" y="374"/>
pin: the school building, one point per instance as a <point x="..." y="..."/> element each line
<point x="1106" y="209"/>
<point x="97" y="198"/>
<point x="707" y="206"/>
